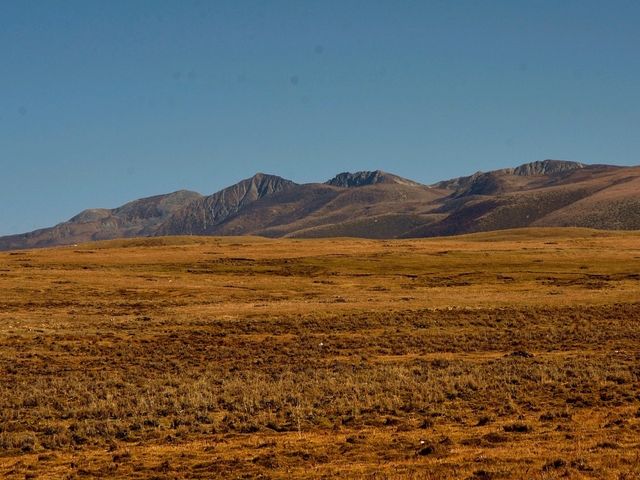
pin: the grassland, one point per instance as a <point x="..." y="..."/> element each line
<point x="501" y="355"/>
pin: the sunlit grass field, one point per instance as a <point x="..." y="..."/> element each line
<point x="512" y="354"/>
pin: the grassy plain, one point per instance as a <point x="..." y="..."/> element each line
<point x="503" y="355"/>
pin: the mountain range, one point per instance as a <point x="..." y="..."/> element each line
<point x="372" y="204"/>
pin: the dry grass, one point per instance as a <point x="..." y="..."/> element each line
<point x="501" y="355"/>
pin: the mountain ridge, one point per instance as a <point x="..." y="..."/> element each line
<point x="202" y="215"/>
<point x="372" y="204"/>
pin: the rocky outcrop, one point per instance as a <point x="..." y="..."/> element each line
<point x="546" y="167"/>
<point x="365" y="178"/>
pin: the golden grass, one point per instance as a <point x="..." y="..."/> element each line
<point x="498" y="355"/>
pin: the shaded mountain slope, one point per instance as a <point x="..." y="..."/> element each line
<point x="316" y="205"/>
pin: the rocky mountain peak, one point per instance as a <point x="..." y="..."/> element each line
<point x="365" y="178"/>
<point x="263" y="184"/>
<point x="546" y="167"/>
<point x="200" y="216"/>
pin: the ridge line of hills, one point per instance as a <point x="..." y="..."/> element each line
<point x="371" y="204"/>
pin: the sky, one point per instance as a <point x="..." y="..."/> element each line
<point x="105" y="102"/>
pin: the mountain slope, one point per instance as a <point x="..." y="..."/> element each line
<point x="548" y="193"/>
<point x="304" y="207"/>
<point x="134" y="219"/>
<point x="372" y="204"/>
<point x="203" y="215"/>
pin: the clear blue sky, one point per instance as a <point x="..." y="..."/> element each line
<point x="107" y="101"/>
